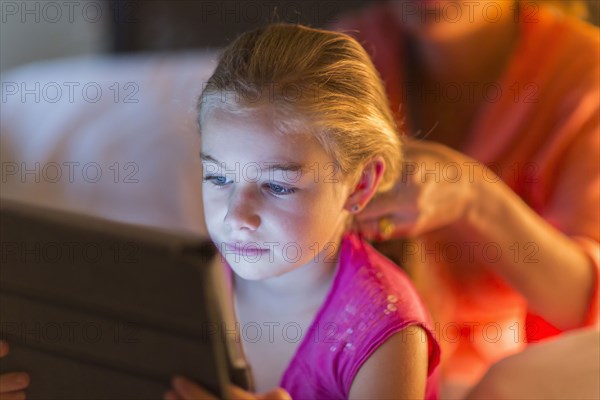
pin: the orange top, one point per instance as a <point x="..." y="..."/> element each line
<point x="540" y="132"/>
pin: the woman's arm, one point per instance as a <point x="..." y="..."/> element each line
<point x="12" y="384"/>
<point x="396" y="370"/>
<point x="559" y="284"/>
<point x="558" y="281"/>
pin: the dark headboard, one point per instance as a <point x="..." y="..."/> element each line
<point x="152" y="25"/>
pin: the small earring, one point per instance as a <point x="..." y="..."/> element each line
<point x="355" y="208"/>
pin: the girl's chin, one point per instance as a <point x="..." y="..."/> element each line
<point x="258" y="272"/>
<point x="251" y="272"/>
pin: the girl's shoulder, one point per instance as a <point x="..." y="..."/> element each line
<point x="372" y="291"/>
<point x="370" y="300"/>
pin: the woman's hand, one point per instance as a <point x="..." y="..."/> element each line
<point x="441" y="187"/>
<point x="12" y="384"/>
<point x="435" y="190"/>
<point x="184" y="389"/>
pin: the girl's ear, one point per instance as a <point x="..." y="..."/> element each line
<point x="366" y="186"/>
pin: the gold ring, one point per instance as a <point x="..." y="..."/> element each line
<point x="386" y="227"/>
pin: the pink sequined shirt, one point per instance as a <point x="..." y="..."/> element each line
<point x="370" y="299"/>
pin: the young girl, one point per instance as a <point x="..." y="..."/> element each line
<point x="297" y="137"/>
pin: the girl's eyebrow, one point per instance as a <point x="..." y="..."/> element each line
<point x="270" y="165"/>
<point x="208" y="158"/>
<point x="294" y="167"/>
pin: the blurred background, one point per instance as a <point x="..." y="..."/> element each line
<point x="38" y="30"/>
<point x="126" y="149"/>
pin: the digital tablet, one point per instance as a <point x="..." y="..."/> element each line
<point x="96" y="309"/>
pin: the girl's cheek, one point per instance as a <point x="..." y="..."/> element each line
<point x="211" y="197"/>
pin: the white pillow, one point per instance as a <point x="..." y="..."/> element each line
<point x="129" y="118"/>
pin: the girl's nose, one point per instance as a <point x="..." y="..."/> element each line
<point x="241" y="213"/>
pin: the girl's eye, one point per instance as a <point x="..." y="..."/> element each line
<point x="216" y="180"/>
<point x="279" y="189"/>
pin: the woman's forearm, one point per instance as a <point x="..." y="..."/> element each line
<point x="557" y="280"/>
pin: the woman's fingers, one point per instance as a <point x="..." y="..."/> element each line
<point x="170" y="395"/>
<point x="426" y="197"/>
<point x="13" y="381"/>
<point x="3" y="348"/>
<point x="238" y="393"/>
<point x="384" y="203"/>
<point x="277" y="394"/>
<point x="372" y="229"/>
<point x="188" y="390"/>
<point x="20" y="395"/>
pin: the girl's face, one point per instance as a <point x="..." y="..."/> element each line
<point x="272" y="203"/>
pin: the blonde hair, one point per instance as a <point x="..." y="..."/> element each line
<point x="315" y="82"/>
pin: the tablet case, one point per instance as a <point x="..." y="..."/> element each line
<point x="95" y="309"/>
